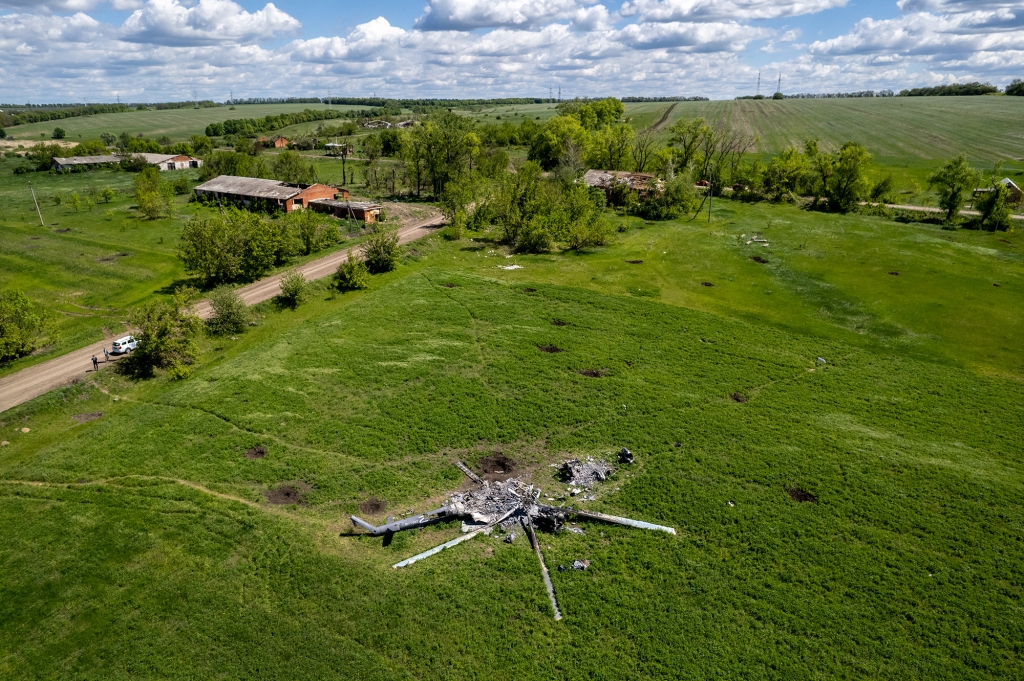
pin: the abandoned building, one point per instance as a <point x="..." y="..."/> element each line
<point x="268" y="194"/>
<point x="274" y="142"/>
<point x="161" y="161"/>
<point x="608" y="180"/>
<point x="348" y="210"/>
<point x="1014" y="194"/>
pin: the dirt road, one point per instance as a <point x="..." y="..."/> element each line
<point x="27" y="384"/>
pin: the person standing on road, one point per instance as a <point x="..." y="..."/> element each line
<point x="95" y="363"/>
<point x="106" y="355"/>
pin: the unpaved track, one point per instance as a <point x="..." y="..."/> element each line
<point x="27" y="384"/>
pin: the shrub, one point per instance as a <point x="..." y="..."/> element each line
<point x="883" y="190"/>
<point x="381" y="250"/>
<point x="677" y="197"/>
<point x="1016" y="88"/>
<point x="314" y="231"/>
<point x="293" y="288"/>
<point x="230" y="313"/>
<point x="59" y="133"/>
<point x="352" y="274"/>
<point x="182" y="186"/>
<point x="238" y="245"/>
<point x="588" y="234"/>
<point x="535" y="237"/>
<point x="107" y="194"/>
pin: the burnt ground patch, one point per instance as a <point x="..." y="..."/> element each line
<point x="759" y="259"/>
<point x="802" y="495"/>
<point x="894" y="274"/>
<point x="91" y="416"/>
<point x="529" y="290"/>
<point x="257" y="452"/>
<point x="706" y="283"/>
<point x="450" y="285"/>
<point x="593" y="373"/>
<point x="635" y="262"/>
<point x="559" y="322"/>
<point x="288" y="494"/>
<point x="372" y="506"/>
<point x="550" y="348"/>
<point x="497" y="466"/>
<point x="738" y="397"/>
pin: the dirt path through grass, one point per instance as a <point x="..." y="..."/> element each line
<point x="34" y="381"/>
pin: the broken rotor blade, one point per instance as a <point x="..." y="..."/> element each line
<point x="453" y="542"/>
<point x="469" y="474"/>
<point x="544" y="571"/>
<point x="629" y="522"/>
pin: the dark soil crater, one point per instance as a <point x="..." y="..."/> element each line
<point x="593" y="373"/>
<point x="802" y="495"/>
<point x="257" y="452"/>
<point x="550" y="348"/>
<point x="372" y="506"/>
<point x="288" y="494"/>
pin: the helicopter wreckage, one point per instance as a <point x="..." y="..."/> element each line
<point x="509" y="504"/>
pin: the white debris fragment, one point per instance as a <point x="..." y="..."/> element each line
<point x="510" y="267"/>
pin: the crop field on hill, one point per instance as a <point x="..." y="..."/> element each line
<point x="140" y="541"/>
<point x="177" y="124"/>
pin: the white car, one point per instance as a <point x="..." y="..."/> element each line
<point x="123" y="346"/>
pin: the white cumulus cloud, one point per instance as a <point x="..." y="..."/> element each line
<point x="746" y="10"/>
<point x="170" y="22"/>
<point x="466" y="15"/>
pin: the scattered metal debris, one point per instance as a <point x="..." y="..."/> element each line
<point x="625" y="456"/>
<point x="585" y="473"/>
<point x="580" y="564"/>
<point x="822" y="360"/>
<point x="506" y="504"/>
<point x="576" y="530"/>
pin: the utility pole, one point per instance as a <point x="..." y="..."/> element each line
<point x="711" y="190"/>
<point x="559" y="93"/>
<point x="758" y="82"/>
<point x="232" y="100"/>
<point x="328" y="98"/>
<point x="779" y="89"/>
<point x="38" y="212"/>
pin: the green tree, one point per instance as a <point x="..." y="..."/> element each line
<point x="995" y="209"/>
<point x="677" y="197"/>
<point x="294" y="168"/>
<point x="23" y="326"/>
<point x="109" y="139"/>
<point x="840" y="177"/>
<point x="517" y="201"/>
<point x="201" y="145"/>
<point x="684" y="138"/>
<point x="785" y="174"/>
<point x="645" y="147"/>
<point x="610" y="148"/>
<point x="166" y="333"/>
<point x="381" y="250"/>
<point x="952" y="181"/>
<point x="75" y="201"/>
<point x="352" y="274"/>
<point x="549" y="144"/>
<point x="211" y="247"/>
<point x="107" y="194"/>
<point x="59" y="133"/>
<point x="883" y="190"/>
<point x="151" y="193"/>
<point x="447" y="143"/>
<point x="230" y="313"/>
<point x="1016" y="88"/>
<point x="3" y="134"/>
<point x="314" y="230"/>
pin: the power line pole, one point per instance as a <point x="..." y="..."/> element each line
<point x="779" y="89"/>
<point x="38" y="212"/>
<point x="758" y="82"/>
<point x="711" y="190"/>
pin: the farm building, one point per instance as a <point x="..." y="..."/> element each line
<point x="354" y="210"/>
<point x="1014" y="193"/>
<point x="274" y="142"/>
<point x="608" y="180"/>
<point x="271" y="194"/>
<point x="161" y="161"/>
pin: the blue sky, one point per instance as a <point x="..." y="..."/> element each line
<point x="150" y="50"/>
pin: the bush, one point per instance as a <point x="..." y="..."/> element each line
<point x="381" y="250"/>
<point x="23" y="327"/>
<point x="166" y="334"/>
<point x="314" y="231"/>
<point x="677" y="197"/>
<point x="107" y="194"/>
<point x="352" y="274"/>
<point x="59" y="133"/>
<point x="3" y="134"/>
<point x="293" y="289"/>
<point x="238" y="245"/>
<point x="230" y="313"/>
<point x="1016" y="88"/>
<point x="182" y="186"/>
<point x="588" y="234"/>
<point x="535" y="237"/>
<point x="883" y="190"/>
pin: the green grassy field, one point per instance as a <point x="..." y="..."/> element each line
<point x="178" y="124"/>
<point x="139" y="544"/>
